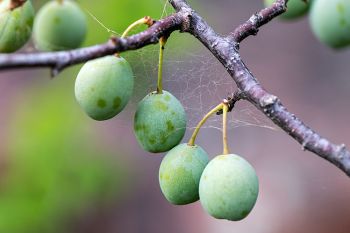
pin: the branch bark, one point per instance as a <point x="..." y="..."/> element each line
<point x="224" y="48"/>
<point x="251" y="27"/>
<point x="58" y="61"/>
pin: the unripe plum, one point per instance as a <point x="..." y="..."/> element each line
<point x="295" y="8"/>
<point x="160" y="122"/>
<point x="104" y="86"/>
<point x="228" y="187"/>
<point x="15" y="25"/>
<point x="330" y="22"/>
<point x="180" y="172"/>
<point x="59" y="25"/>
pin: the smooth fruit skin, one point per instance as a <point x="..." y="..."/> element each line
<point x="160" y="122"/>
<point x="59" y="26"/>
<point x="104" y="86"/>
<point x="15" y="26"/>
<point x="180" y="172"/>
<point x="330" y="22"/>
<point x="295" y="8"/>
<point x="229" y="187"/>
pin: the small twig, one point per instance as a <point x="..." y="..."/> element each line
<point x="251" y="27"/>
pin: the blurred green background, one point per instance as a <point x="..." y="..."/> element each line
<point x="63" y="172"/>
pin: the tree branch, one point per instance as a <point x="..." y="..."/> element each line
<point x="251" y="27"/>
<point x="225" y="49"/>
<point x="58" y="61"/>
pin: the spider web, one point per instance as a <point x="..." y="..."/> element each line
<point x="199" y="82"/>
<point x="195" y="77"/>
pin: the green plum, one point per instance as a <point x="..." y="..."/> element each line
<point x="104" y="86"/>
<point x="180" y="172"/>
<point x="59" y="25"/>
<point x="295" y="8"/>
<point x="15" y="25"/>
<point x="160" y="122"/>
<point x="228" y="187"/>
<point x="330" y="22"/>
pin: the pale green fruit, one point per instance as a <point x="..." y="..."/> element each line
<point x="330" y="22"/>
<point x="228" y="188"/>
<point x="59" y="26"/>
<point x="180" y="172"/>
<point x="295" y="8"/>
<point x="104" y="86"/>
<point x="15" y="25"/>
<point x="160" y="122"/>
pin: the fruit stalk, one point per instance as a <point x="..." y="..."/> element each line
<point x="145" y="20"/>
<point x="162" y="42"/>
<point x="224" y="128"/>
<point x="192" y="140"/>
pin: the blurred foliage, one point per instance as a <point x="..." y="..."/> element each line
<point x="55" y="169"/>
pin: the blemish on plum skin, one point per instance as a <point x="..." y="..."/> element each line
<point x="166" y="177"/>
<point x="145" y="128"/>
<point x="101" y="103"/>
<point x="138" y="127"/>
<point x="167" y="98"/>
<point x="163" y="138"/>
<point x="161" y="106"/>
<point x="170" y="126"/>
<point x="116" y="102"/>
<point x="152" y="141"/>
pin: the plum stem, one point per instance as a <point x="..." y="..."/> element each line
<point x="224" y="127"/>
<point x="162" y="42"/>
<point x="192" y="140"/>
<point x="145" y="20"/>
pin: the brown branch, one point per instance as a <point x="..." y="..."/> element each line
<point x="251" y="27"/>
<point x="224" y="49"/>
<point x="58" y="61"/>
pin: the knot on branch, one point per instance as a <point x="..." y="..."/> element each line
<point x="268" y="100"/>
<point x="255" y="20"/>
<point x="187" y="18"/>
<point x="232" y="100"/>
<point x="342" y="151"/>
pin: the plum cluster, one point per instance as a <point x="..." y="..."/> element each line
<point x="58" y="25"/>
<point x="329" y="20"/>
<point x="227" y="186"/>
<point x="103" y="88"/>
